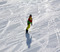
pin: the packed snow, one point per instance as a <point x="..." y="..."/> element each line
<point x="44" y="34"/>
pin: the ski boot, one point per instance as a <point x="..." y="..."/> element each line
<point x="26" y="31"/>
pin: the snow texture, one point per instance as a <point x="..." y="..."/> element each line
<point x="44" y="34"/>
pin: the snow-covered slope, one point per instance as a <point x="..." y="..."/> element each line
<point x="44" y="34"/>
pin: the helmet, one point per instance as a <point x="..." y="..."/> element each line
<point x="30" y="15"/>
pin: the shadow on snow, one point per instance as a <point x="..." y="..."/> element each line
<point x="28" y="40"/>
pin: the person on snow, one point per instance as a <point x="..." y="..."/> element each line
<point x="29" y="22"/>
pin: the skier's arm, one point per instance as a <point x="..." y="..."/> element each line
<point x="31" y="23"/>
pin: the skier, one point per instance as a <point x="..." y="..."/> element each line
<point x="29" y="22"/>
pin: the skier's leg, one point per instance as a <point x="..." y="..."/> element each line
<point x="27" y="28"/>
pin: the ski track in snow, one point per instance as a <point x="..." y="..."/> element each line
<point x="45" y="30"/>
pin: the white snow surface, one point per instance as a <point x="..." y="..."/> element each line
<point x="45" y="30"/>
